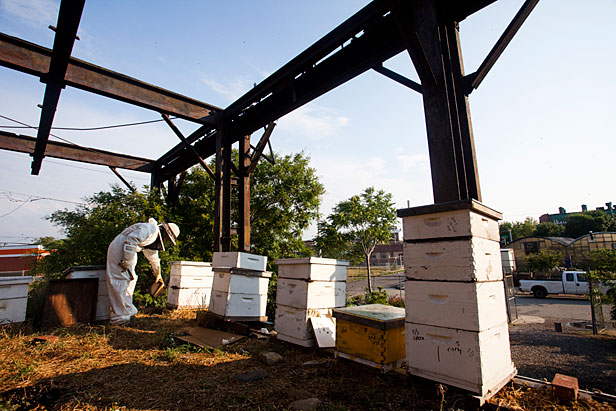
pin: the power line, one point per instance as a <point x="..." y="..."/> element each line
<point x="139" y="123"/>
<point x="17" y="208"/>
<point x="34" y="197"/>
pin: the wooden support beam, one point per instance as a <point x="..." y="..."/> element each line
<point x="398" y="78"/>
<point x="472" y="81"/>
<point x="222" y="203"/>
<point x="33" y="59"/>
<point x="66" y="31"/>
<point x="244" y="196"/>
<point x="260" y="147"/>
<point x="25" y="144"/>
<point x="188" y="145"/>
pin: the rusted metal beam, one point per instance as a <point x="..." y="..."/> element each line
<point x="472" y="81"/>
<point x="398" y="78"/>
<point x="66" y="31"/>
<point x="450" y="136"/>
<point x="188" y="145"/>
<point x="25" y="144"/>
<point x="244" y="196"/>
<point x="33" y="59"/>
<point x="126" y="183"/>
<point x="256" y="155"/>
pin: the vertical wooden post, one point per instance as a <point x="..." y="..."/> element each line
<point x="244" y="200"/>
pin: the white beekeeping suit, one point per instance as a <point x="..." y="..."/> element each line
<point x="121" y="262"/>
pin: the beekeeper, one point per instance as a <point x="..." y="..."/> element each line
<point x="121" y="261"/>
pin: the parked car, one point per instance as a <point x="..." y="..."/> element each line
<point x="571" y="282"/>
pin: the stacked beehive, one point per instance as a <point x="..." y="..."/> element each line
<point x="456" y="319"/>
<point x="239" y="289"/>
<point x="307" y="287"/>
<point x="13" y="299"/>
<point x="190" y="284"/>
<point x="98" y="272"/>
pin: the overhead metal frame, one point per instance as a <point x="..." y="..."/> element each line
<point x="426" y="29"/>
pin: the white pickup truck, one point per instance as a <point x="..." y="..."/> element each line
<point x="572" y="282"/>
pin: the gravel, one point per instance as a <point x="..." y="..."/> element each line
<point x="539" y="352"/>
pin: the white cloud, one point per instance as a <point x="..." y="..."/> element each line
<point x="231" y="90"/>
<point x="35" y="13"/>
<point x="407" y="162"/>
<point x="313" y="122"/>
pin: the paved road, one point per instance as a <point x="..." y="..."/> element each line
<point x="563" y="308"/>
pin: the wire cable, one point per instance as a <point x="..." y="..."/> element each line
<point x="17" y="208"/>
<point x="36" y="198"/>
<point x="139" y="123"/>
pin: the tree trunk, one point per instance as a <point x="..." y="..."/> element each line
<point x="369" y="272"/>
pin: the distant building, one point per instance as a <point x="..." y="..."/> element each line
<point x="574" y="251"/>
<point x="19" y="259"/>
<point x="561" y="217"/>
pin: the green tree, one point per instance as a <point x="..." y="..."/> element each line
<point x="603" y="268"/>
<point x="544" y="261"/>
<point x="505" y="230"/>
<point x="525" y="228"/>
<point x="359" y="223"/>
<point x="580" y="224"/>
<point x="284" y="201"/>
<point x="549" y="230"/>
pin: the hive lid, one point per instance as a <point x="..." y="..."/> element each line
<point x="311" y="260"/>
<point x="243" y="271"/>
<point x="84" y="268"/>
<point x="383" y="317"/>
<point x="22" y="279"/>
<point x="192" y="263"/>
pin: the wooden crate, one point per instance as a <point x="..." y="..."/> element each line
<point x="373" y="332"/>
<point x="310" y="294"/>
<point x="238" y="305"/>
<point x="294" y="322"/>
<point x="312" y="268"/>
<point x="69" y="302"/>
<point x="479" y="362"/>
<point x="467" y="306"/>
<point x="475" y="259"/>
<point x="240" y="281"/>
<point x="97" y="272"/>
<point x="464" y="218"/>
<point x="13" y="299"/>
<point x="236" y="259"/>
<point x="458" y="223"/>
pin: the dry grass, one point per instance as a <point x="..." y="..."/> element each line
<point x="142" y="367"/>
<point x="358" y="273"/>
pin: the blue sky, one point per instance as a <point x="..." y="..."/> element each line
<point x="543" y="119"/>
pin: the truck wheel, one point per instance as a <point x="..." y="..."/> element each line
<point x="540" y="292"/>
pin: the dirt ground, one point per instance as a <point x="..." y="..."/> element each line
<point x="144" y="367"/>
<point x="539" y="352"/>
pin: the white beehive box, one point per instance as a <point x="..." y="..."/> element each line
<point x="238" y="305"/>
<point x="294" y="322"/>
<point x="479" y="362"/>
<point x="476" y="259"/>
<point x="236" y="259"/>
<point x="241" y="281"/>
<point x="190" y="284"/>
<point x="13" y="299"/>
<point x="297" y="341"/>
<point x="466" y="306"/>
<point x="94" y="271"/>
<point x="313" y="268"/>
<point x="457" y="223"/>
<point x="310" y="294"/>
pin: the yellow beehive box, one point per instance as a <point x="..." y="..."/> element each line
<point x="372" y="334"/>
